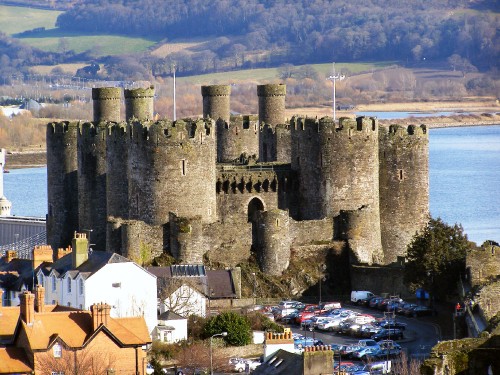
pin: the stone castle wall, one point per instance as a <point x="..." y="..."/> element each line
<point x="483" y="264"/>
<point x="141" y="183"/>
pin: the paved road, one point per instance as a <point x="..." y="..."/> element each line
<point x="420" y="334"/>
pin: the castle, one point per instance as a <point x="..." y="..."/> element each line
<point x="224" y="185"/>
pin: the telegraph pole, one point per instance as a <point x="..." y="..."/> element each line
<point x="334" y="78"/>
<point x="175" y="115"/>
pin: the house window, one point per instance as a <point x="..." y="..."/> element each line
<point x="69" y="284"/>
<point x="81" y="286"/>
<point x="57" y="350"/>
<point x="54" y="283"/>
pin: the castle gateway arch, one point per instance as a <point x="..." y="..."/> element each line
<point x="254" y="207"/>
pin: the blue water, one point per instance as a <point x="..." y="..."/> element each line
<point x="464" y="181"/>
<point x="399" y="115"/>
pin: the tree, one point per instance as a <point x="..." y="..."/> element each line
<point x="436" y="258"/>
<point x="237" y="327"/>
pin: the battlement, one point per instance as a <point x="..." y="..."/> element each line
<point x="401" y="131"/>
<point x="216" y="90"/>
<point x="360" y="124"/>
<point x="62" y="127"/>
<point x="244" y="122"/>
<point x="168" y="132"/>
<point x="271" y="90"/>
<point x="301" y="123"/>
<point x="148" y="92"/>
<point x="117" y="130"/>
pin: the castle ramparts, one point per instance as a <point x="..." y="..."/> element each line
<point x="224" y="186"/>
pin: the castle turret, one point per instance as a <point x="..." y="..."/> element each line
<point x="349" y="174"/>
<point x="62" y="183"/>
<point x="116" y="183"/>
<point x="216" y="99"/>
<point x="139" y="103"/>
<point x="238" y="139"/>
<point x="306" y="161"/>
<point x="187" y="244"/>
<point x="404" y="186"/>
<point x="106" y="101"/>
<point x="5" y="204"/>
<point x="271" y="103"/>
<point x="171" y="168"/>
<point x="271" y="113"/>
<point x="274" y="241"/>
<point x="92" y="181"/>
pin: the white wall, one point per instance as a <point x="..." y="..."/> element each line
<point x="178" y="334"/>
<point x="127" y="287"/>
<point x="185" y="301"/>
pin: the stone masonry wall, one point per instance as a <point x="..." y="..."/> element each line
<point x="483" y="263"/>
<point x="237" y="137"/>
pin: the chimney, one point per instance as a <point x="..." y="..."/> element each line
<point x="27" y="307"/>
<point x="80" y="253"/>
<point x="10" y="255"/>
<point x="62" y="252"/>
<point x="42" y="254"/>
<point x="40" y="299"/>
<point x="317" y="360"/>
<point x="100" y="314"/>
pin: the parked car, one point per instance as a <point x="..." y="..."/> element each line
<point x="391" y="333"/>
<point x="302" y="341"/>
<point x="405" y="308"/>
<point x="287" y="304"/>
<point x="393" y="324"/>
<point x="374" y="302"/>
<point x="366" y="352"/>
<point x="357" y="295"/>
<point x="327" y="306"/>
<point x="245" y="364"/>
<point x="420" y="311"/>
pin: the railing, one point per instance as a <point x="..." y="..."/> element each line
<point x="24" y="248"/>
<point x="257" y="167"/>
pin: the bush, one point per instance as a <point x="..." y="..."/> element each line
<point x="260" y="322"/>
<point x="237" y="327"/>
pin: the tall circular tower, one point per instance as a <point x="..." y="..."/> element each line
<point x="106" y="101"/>
<point x="116" y="182"/>
<point x="216" y="102"/>
<point x="404" y="186"/>
<point x="92" y="181"/>
<point x="271" y="103"/>
<point x="5" y="204"/>
<point x="306" y="160"/>
<point x="171" y="168"/>
<point x="139" y="103"/>
<point x="349" y="172"/>
<point x="274" y="241"/>
<point x="62" y="183"/>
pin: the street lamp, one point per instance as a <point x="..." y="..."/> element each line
<point x="223" y="334"/>
<point x="334" y="78"/>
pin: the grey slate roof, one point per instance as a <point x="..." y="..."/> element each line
<point x="170" y="315"/>
<point x="96" y="260"/>
<point x="281" y="363"/>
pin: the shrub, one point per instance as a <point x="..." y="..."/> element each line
<point x="237" y="327"/>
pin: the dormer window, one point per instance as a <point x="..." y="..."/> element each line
<point x="57" y="350"/>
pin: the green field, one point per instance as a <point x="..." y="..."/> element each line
<point x="18" y="19"/>
<point x="271" y="74"/>
<point x="15" y="20"/>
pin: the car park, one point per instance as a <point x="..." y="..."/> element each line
<point x="393" y="324"/>
<point x="391" y="333"/>
<point x="365" y="353"/>
<point x="374" y="302"/>
<point x="419" y="311"/>
<point x="357" y="295"/>
<point x="288" y="304"/>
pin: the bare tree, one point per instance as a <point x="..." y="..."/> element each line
<point x="179" y="296"/>
<point x="87" y="361"/>
<point x="406" y="366"/>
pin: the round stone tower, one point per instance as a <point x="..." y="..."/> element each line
<point x="271" y="103"/>
<point x="171" y="168"/>
<point x="274" y="241"/>
<point x="237" y="138"/>
<point x="139" y="103"/>
<point x="92" y="182"/>
<point x="306" y="161"/>
<point x="349" y="173"/>
<point x="216" y="99"/>
<point x="404" y="186"/>
<point x="116" y="183"/>
<point x="106" y="101"/>
<point x="187" y="244"/>
<point x="62" y="183"/>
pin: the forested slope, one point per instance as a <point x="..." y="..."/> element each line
<point x="306" y="31"/>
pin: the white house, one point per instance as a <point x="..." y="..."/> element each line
<point x="81" y="279"/>
<point x="171" y="328"/>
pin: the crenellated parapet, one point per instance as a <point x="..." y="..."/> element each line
<point x="247" y="181"/>
<point x="483" y="263"/>
<point x="216" y="102"/>
<point x="404" y="186"/>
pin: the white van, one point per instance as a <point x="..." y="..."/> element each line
<point x="357" y="295"/>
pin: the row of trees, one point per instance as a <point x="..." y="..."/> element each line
<point x="303" y="31"/>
